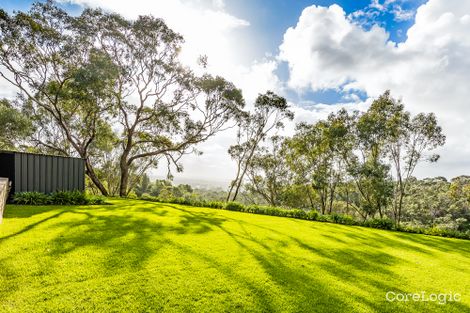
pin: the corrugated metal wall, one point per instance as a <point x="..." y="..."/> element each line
<point x="45" y="173"/>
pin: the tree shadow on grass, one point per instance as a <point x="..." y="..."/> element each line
<point x="32" y="225"/>
<point x="125" y="237"/>
<point x="367" y="269"/>
<point x="302" y="280"/>
<point x="26" y="211"/>
<point x="413" y="242"/>
<point x="131" y="238"/>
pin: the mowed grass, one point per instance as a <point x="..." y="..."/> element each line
<point x="136" y="256"/>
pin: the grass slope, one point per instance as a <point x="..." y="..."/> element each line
<point x="140" y="256"/>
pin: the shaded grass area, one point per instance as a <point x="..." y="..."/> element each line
<point x="136" y="256"/>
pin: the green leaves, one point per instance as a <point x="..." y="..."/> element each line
<point x="15" y="126"/>
<point x="270" y="111"/>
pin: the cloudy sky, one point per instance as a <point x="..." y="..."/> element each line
<point x="322" y="55"/>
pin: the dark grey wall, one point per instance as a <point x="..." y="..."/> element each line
<point x="45" y="173"/>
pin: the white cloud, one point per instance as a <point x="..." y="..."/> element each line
<point x="430" y="70"/>
<point x="208" y="30"/>
<point x="369" y="15"/>
<point x="320" y="49"/>
<point x="327" y="49"/>
<point x="205" y="25"/>
<point x="402" y="14"/>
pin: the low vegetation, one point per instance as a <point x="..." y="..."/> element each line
<point x="56" y="198"/>
<point x="312" y="215"/>
<point x="136" y="256"/>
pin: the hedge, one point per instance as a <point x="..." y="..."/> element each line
<point x="379" y="223"/>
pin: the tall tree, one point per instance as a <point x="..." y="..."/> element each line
<point x="314" y="161"/>
<point x="143" y="186"/>
<point x="269" y="174"/>
<point x="15" y="125"/>
<point x="60" y="74"/>
<point x="164" y="110"/>
<point x="269" y="113"/>
<point x="81" y="73"/>
<point x="358" y="141"/>
<point x="407" y="148"/>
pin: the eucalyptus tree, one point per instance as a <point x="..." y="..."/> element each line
<point x="143" y="186"/>
<point x="15" y="125"/>
<point x="269" y="173"/>
<point x="357" y="141"/>
<point x="313" y="159"/>
<point x="374" y="131"/>
<point x="387" y="132"/>
<point x="79" y="74"/>
<point x="408" y="147"/>
<point x="269" y="113"/>
<point x="63" y="79"/>
<point x="164" y="110"/>
<point x="429" y="203"/>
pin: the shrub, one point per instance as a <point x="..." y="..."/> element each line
<point x="324" y="218"/>
<point x="297" y="213"/>
<point x="434" y="231"/>
<point x="342" y="219"/>
<point x="312" y="215"/>
<point x="235" y="206"/>
<point x="30" y="198"/>
<point x="381" y="223"/>
<point x="68" y="198"/>
<point x="56" y="198"/>
<point x="148" y="197"/>
<point x="215" y="204"/>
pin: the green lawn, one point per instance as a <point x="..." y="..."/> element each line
<point x="136" y="256"/>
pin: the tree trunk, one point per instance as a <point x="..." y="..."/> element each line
<point x="239" y="182"/>
<point x="234" y="182"/>
<point x="400" y="205"/>
<point x="311" y="200"/>
<point x="242" y="175"/>
<point x="94" y="178"/>
<point x="332" y="197"/>
<point x="124" y="176"/>
<point x="323" y="202"/>
<point x="237" y="189"/>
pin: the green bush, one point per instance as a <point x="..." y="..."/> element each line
<point x="56" y="198"/>
<point x="215" y="204"/>
<point x="68" y="198"/>
<point x="312" y="215"/>
<point x="435" y="231"/>
<point x="31" y="198"/>
<point x="381" y="223"/>
<point x="324" y="218"/>
<point x="148" y="197"/>
<point x="235" y="206"/>
<point x="342" y="219"/>
<point x="297" y="213"/>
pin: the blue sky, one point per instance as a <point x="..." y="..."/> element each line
<point x="269" y="19"/>
<point x="265" y="45"/>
